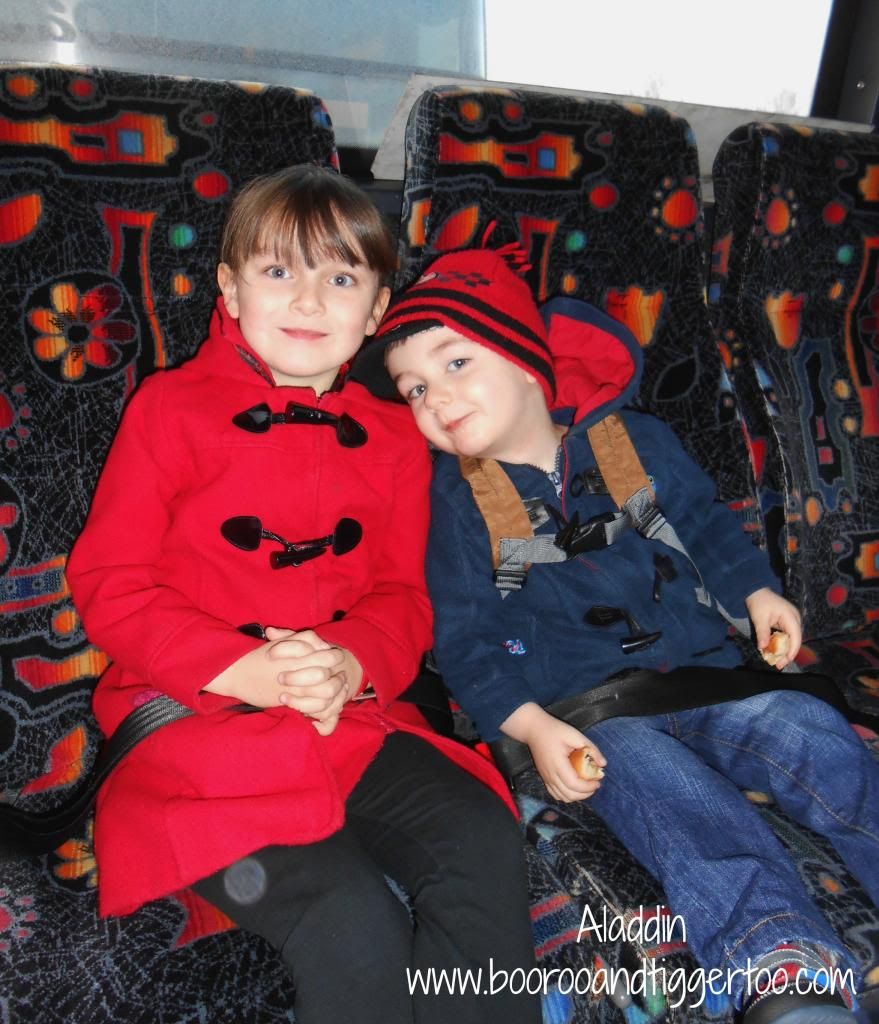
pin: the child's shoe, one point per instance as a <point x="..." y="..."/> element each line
<point x="793" y="988"/>
<point x="792" y="1007"/>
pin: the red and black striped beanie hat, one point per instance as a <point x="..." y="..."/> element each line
<point x="478" y="294"/>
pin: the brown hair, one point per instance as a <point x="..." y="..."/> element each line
<point x="311" y="211"/>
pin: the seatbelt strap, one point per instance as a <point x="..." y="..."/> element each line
<point x="505" y="516"/>
<point x="514" y="547"/>
<point x="630" y="488"/>
<point x="643" y="692"/>
<point x="617" y="460"/>
<point x="43" y="831"/>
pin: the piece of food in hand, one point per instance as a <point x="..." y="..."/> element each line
<point x="777" y="648"/>
<point x="584" y="765"/>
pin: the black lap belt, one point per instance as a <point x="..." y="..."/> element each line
<point x="645" y="692"/>
<point x="42" y="831"/>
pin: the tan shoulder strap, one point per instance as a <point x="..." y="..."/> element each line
<point x="618" y="462"/>
<point x="506" y="517"/>
<point x="498" y="501"/>
<point x="501" y="505"/>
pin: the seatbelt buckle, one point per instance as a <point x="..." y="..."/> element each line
<point x="575" y="539"/>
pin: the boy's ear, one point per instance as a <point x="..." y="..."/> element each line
<point x="228" y="288"/>
<point x="378" y="309"/>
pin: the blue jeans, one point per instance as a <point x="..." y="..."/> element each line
<point x="671" y="794"/>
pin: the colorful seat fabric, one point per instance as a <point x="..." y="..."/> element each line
<point x="794" y="295"/>
<point x="113" y="190"/>
<point x="177" y="960"/>
<point x="604" y="198"/>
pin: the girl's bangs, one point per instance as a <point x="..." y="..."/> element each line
<point x="312" y="235"/>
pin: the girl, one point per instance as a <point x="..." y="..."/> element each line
<point x="256" y="485"/>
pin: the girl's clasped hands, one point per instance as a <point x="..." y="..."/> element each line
<point x="313" y="675"/>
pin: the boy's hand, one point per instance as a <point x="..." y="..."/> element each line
<point x="769" y="610"/>
<point x="551" y="742"/>
<point x="551" y="749"/>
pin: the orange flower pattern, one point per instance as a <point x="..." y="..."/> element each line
<point x="79" y="329"/>
<point x="76" y="859"/>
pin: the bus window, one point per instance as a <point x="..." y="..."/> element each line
<point x="356" y="57"/>
<point x="781" y="57"/>
<point x="750" y="55"/>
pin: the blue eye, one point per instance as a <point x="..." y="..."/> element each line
<point x="342" y="280"/>
<point x="457" y="364"/>
<point x="414" y="392"/>
<point x="277" y="272"/>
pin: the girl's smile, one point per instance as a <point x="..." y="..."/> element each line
<point x="304" y="322"/>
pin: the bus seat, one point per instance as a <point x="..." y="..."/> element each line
<point x="604" y="197"/>
<point x="605" y="200"/>
<point x="793" y="293"/>
<point x="113" y="189"/>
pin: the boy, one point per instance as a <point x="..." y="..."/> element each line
<point x="488" y="382"/>
<point x="256" y="486"/>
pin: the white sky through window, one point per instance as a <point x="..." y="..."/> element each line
<point x="751" y="54"/>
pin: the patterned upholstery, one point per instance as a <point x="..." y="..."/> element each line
<point x="605" y="200"/>
<point x="794" y="295"/>
<point x="113" y="189"/>
<point x="176" y="961"/>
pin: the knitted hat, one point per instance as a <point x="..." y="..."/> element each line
<point x="476" y="293"/>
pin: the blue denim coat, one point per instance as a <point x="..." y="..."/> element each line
<point x="496" y="654"/>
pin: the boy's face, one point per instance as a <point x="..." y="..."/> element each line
<point x="303" y="322"/>
<point x="466" y="399"/>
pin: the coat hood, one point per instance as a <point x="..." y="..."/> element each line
<point x="597" y="361"/>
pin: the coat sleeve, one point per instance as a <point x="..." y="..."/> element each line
<point x="469" y="612"/>
<point x="389" y="629"/>
<point x="145" y="626"/>
<point x="731" y="566"/>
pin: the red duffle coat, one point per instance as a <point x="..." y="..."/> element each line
<point x="162" y="591"/>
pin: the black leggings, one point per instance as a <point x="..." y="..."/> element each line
<point x="344" y="936"/>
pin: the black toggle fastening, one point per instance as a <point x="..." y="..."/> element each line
<point x="665" y="573"/>
<point x="253" y="629"/>
<point x="590" y="481"/>
<point x="259" y="419"/>
<point x="606" y="615"/>
<point x="246" y="532"/>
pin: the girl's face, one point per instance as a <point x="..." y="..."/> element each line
<point x="303" y="322"/>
